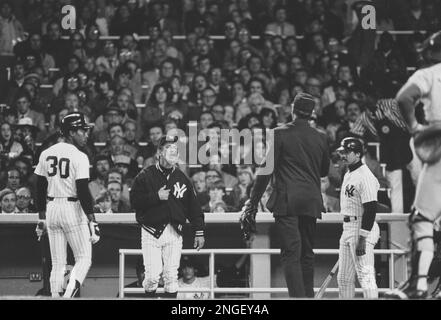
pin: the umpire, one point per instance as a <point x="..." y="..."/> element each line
<point x="301" y="157"/>
<point x="163" y="198"/>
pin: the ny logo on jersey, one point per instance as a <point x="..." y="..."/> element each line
<point x="349" y="192"/>
<point x="179" y="190"/>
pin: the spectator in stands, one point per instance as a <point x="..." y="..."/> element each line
<point x="353" y="112"/>
<point x="115" y="175"/>
<point x="122" y="23"/>
<point x="92" y="44"/>
<point x="124" y="165"/>
<point x="24" y="166"/>
<point x="23" y="104"/>
<point x="280" y="26"/>
<point x="103" y="202"/>
<point x="215" y="164"/>
<point x="112" y="115"/>
<point x="158" y="106"/>
<point x="8" y="201"/>
<point x="241" y="192"/>
<point x="24" y="201"/>
<point x="54" y="45"/>
<point x="216" y="194"/>
<point x="119" y="205"/>
<point x="200" y="186"/>
<point x="189" y="279"/>
<point x="9" y="148"/>
<point x="101" y="167"/>
<point x="14" y="179"/>
<point x="108" y="62"/>
<point x="11" y="31"/>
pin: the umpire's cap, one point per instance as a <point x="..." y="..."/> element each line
<point x="73" y="121"/>
<point x="351" y="144"/>
<point x="303" y="104"/>
<point x="432" y="43"/>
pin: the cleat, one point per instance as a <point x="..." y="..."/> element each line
<point x="406" y="292"/>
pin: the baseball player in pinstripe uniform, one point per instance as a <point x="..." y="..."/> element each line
<point x="424" y="86"/>
<point x="65" y="205"/>
<point x="163" y="198"/>
<point x="358" y="201"/>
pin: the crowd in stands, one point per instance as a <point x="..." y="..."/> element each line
<point x="135" y="90"/>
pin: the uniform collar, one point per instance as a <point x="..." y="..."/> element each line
<point x="355" y="166"/>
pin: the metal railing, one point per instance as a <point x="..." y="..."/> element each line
<point x="211" y="266"/>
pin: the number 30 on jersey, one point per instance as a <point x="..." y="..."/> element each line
<point x="54" y="166"/>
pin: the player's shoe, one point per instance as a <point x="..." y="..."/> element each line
<point x="71" y="292"/>
<point x="406" y="291"/>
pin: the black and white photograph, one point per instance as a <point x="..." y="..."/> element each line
<point x="224" y="154"/>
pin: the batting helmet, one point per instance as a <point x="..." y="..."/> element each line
<point x="351" y="144"/>
<point x="73" y="121"/>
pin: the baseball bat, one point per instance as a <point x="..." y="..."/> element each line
<point x="40" y="226"/>
<point x="325" y="284"/>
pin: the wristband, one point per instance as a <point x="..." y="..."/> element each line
<point x="364" y="233"/>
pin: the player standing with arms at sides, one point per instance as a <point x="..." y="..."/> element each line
<point x="65" y="205"/>
<point x="163" y="198"/>
<point x="358" y="203"/>
<point x="425" y="86"/>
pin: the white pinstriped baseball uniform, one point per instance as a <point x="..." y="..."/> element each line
<point x="428" y="190"/>
<point x="359" y="186"/>
<point x="161" y="255"/>
<point x="63" y="164"/>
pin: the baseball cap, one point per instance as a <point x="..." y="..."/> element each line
<point x="167" y="139"/>
<point x="303" y="104"/>
<point x="114" y="107"/>
<point x="187" y="261"/>
<point x="26" y="122"/>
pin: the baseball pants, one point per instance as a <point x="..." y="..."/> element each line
<point x="67" y="223"/>
<point x="350" y="264"/>
<point x="161" y="255"/>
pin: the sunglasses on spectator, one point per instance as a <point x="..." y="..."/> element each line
<point x="23" y="197"/>
<point x="211" y="176"/>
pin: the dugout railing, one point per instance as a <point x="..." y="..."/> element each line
<point x="212" y="254"/>
<point x="260" y="252"/>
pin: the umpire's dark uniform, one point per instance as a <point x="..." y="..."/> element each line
<point x="301" y="157"/>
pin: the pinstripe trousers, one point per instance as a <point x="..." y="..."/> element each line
<point x="350" y="264"/>
<point x="161" y="255"/>
<point x="67" y="223"/>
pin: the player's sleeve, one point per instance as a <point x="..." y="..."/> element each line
<point x="40" y="169"/>
<point x="422" y="80"/>
<point x="83" y="167"/>
<point x="369" y="187"/>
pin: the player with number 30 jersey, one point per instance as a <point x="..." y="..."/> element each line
<point x="65" y="204"/>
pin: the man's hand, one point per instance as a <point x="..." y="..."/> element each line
<point x="41" y="228"/>
<point x="199" y="242"/>
<point x="361" y="246"/>
<point x="248" y="221"/>
<point x="94" y="232"/>
<point x="163" y="193"/>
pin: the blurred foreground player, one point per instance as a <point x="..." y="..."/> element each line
<point x="65" y="205"/>
<point x="424" y="86"/>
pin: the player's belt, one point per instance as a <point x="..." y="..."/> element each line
<point x="349" y="218"/>
<point x="71" y="199"/>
